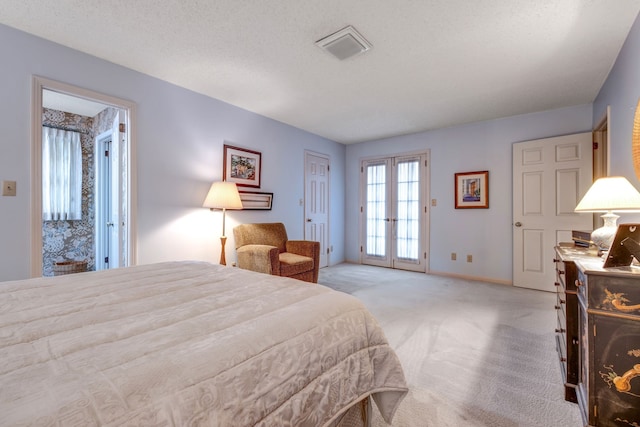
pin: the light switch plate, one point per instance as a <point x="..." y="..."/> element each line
<point x="8" y="188"/>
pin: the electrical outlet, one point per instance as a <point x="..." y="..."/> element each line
<point x="8" y="188"/>
<point x="469" y="258"/>
<point x="453" y="256"/>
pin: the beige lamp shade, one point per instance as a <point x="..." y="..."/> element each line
<point x="613" y="193"/>
<point x="223" y="195"/>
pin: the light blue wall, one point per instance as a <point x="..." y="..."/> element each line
<point x="180" y="137"/>
<point x="484" y="233"/>
<point x="621" y="91"/>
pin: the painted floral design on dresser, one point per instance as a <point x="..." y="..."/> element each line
<point x="74" y="240"/>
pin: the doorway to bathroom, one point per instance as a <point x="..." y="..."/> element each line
<point x="103" y="236"/>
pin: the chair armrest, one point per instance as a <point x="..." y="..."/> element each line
<point x="260" y="258"/>
<point x="304" y="247"/>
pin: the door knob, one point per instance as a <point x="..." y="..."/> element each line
<point x="518" y="224"/>
<point x="308" y="219"/>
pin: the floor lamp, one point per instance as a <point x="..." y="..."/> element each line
<point x="223" y="195"/>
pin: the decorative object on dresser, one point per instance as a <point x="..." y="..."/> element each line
<point x="609" y="194"/>
<point x="223" y="195"/>
<point x="608" y="390"/>
<point x="625" y="246"/>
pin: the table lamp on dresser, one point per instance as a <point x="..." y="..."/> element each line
<point x="609" y="194"/>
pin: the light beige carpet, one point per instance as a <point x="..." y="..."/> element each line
<point x="474" y="353"/>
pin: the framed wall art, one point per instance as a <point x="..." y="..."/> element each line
<point x="242" y="166"/>
<point x="472" y="190"/>
<point x="256" y="201"/>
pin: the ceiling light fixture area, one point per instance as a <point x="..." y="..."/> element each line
<point x="345" y="43"/>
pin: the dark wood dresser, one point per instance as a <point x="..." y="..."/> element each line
<point x="608" y="338"/>
<point x="567" y="330"/>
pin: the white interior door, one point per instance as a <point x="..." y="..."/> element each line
<point x="394" y="212"/>
<point x="114" y="224"/>
<point x="110" y="198"/>
<point x="550" y="176"/>
<point x="103" y="199"/>
<point x="317" y="203"/>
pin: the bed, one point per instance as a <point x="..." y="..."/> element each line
<point x="190" y="343"/>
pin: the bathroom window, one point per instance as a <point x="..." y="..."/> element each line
<point x="61" y="175"/>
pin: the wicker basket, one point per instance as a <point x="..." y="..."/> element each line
<point x="68" y="267"/>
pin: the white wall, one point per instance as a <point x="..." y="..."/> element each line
<point x="180" y="137"/>
<point x="484" y="233"/>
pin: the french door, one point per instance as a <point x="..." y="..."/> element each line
<point x="394" y="212"/>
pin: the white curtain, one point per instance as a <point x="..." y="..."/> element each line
<point x="61" y="175"/>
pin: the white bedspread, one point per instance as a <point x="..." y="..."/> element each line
<point x="187" y="343"/>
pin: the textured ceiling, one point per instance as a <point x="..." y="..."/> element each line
<point x="434" y="63"/>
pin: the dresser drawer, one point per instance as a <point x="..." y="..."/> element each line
<point x="612" y="294"/>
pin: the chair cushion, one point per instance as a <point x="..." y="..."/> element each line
<point x="291" y="264"/>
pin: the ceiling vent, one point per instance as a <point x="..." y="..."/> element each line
<point x="345" y="43"/>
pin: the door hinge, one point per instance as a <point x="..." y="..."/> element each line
<point x="360" y="248"/>
<point x="425" y="163"/>
<point x="328" y="168"/>
<point x="122" y="127"/>
<point x="106" y="260"/>
<point x="595" y="145"/>
<point x="361" y="209"/>
<point x="425" y="255"/>
<point x="361" y="169"/>
<point x="327" y="251"/>
<point x="106" y="153"/>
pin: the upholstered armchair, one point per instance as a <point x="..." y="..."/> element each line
<point x="266" y="249"/>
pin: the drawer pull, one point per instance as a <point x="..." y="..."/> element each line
<point x="563" y="301"/>
<point x="557" y="307"/>
<point x="578" y="282"/>
<point x="560" y="272"/>
<point x="575" y="341"/>
<point x="556" y="260"/>
<point x="557" y="284"/>
<point x="563" y="359"/>
<point x="560" y="330"/>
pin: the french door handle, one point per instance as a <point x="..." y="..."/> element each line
<point x="387" y="219"/>
<point x="394" y="219"/>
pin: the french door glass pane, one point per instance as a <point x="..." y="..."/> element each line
<point x="376" y="210"/>
<point x="408" y="210"/>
